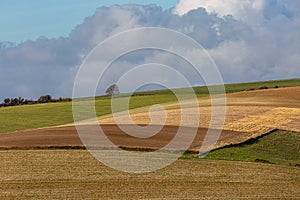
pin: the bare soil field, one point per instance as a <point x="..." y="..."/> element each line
<point x="254" y="112"/>
<point x="75" y="174"/>
<point x="279" y="97"/>
<point x="67" y="137"/>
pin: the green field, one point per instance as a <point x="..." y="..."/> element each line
<point x="54" y="114"/>
<point x="280" y="147"/>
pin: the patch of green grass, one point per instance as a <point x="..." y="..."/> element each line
<point x="53" y="114"/>
<point x="230" y="88"/>
<point x="35" y="116"/>
<point x="280" y="147"/>
<point x="189" y="156"/>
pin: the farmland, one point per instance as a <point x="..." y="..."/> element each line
<point x="61" y="174"/>
<point x="256" y="156"/>
<point x="250" y="113"/>
<point x="54" y="114"/>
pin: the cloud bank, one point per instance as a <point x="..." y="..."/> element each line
<point x="249" y="40"/>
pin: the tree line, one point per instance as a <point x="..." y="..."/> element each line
<point x="21" y="101"/>
<point x="111" y="90"/>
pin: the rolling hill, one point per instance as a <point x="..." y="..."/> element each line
<point x="252" y="159"/>
<point x="55" y="114"/>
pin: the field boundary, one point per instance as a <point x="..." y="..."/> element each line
<point x="138" y="148"/>
<point x="248" y="141"/>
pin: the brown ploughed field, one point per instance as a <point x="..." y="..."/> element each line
<point x="67" y="137"/>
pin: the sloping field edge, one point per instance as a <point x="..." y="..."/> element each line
<point x="248" y="141"/>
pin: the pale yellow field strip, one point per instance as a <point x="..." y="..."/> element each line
<point x="255" y="112"/>
<point x="242" y="119"/>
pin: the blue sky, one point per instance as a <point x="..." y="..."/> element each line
<point x="23" y="20"/>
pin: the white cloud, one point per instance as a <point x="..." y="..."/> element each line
<point x="249" y="11"/>
<point x="237" y="8"/>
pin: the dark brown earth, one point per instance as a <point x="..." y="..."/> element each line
<point x="67" y="137"/>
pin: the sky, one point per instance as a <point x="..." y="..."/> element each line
<point x="23" y="20"/>
<point x="43" y="43"/>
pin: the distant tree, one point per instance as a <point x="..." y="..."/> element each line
<point x="48" y="98"/>
<point x="112" y="90"/>
<point x="15" y="101"/>
<point x="45" y="99"/>
<point x="7" y="101"/>
<point x="21" y="100"/>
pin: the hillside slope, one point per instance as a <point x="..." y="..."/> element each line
<point x="280" y="147"/>
<point x="254" y="112"/>
<point x="55" y="114"/>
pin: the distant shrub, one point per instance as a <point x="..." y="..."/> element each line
<point x="263" y="88"/>
<point x="262" y="161"/>
<point x="250" y="89"/>
<point x="63" y="99"/>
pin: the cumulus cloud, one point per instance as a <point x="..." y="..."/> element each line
<point x="248" y="40"/>
<point x="247" y="10"/>
<point x="238" y="9"/>
<point x="266" y="45"/>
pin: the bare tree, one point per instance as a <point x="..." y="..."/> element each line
<point x="112" y="90"/>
